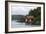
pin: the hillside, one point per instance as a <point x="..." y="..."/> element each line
<point x="17" y="17"/>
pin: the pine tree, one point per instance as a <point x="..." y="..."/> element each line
<point x="37" y="14"/>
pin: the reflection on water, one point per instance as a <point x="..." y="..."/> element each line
<point x="15" y="24"/>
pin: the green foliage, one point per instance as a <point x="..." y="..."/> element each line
<point x="37" y="14"/>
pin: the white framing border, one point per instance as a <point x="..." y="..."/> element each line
<point x="23" y="29"/>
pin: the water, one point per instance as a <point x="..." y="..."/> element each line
<point x="15" y="24"/>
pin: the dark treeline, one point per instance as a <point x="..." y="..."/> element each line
<point x="37" y="14"/>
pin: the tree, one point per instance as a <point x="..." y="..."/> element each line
<point x="37" y="14"/>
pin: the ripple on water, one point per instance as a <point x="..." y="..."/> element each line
<point x="15" y="24"/>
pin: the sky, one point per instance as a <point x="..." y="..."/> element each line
<point x="21" y="10"/>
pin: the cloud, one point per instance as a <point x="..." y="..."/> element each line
<point x="21" y="10"/>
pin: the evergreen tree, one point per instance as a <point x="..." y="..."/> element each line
<point x="37" y="14"/>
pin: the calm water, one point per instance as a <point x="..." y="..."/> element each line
<point x="15" y="24"/>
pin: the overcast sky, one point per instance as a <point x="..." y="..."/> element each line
<point x="21" y="10"/>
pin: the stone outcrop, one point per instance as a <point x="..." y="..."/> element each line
<point x="29" y="19"/>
